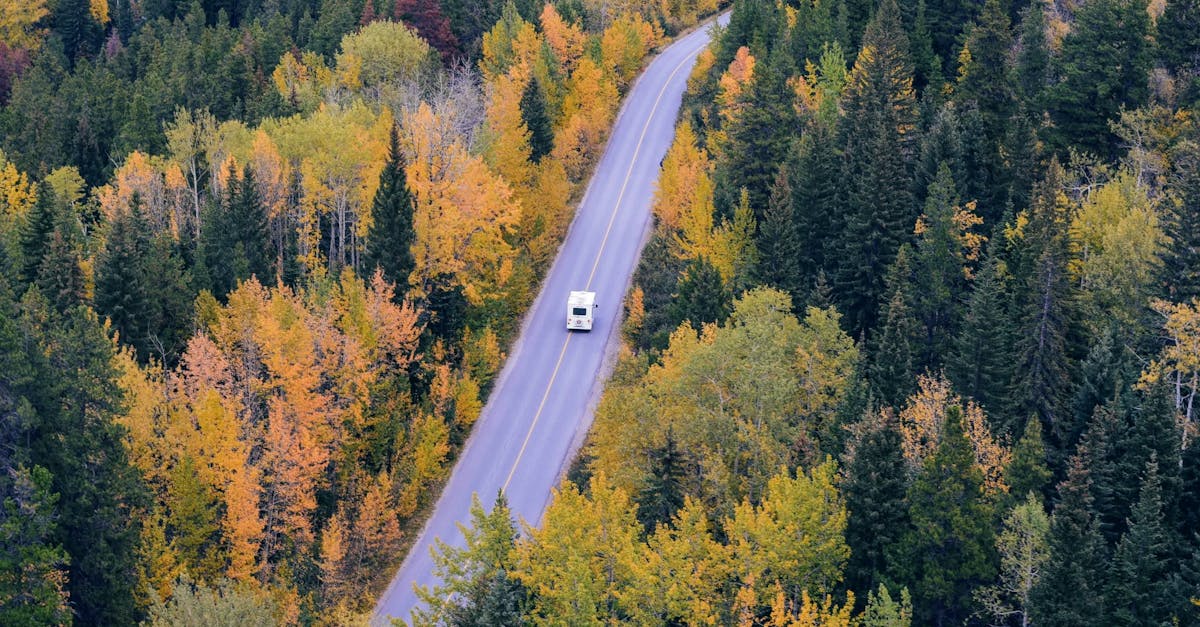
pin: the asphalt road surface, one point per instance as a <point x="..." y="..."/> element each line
<point x="539" y="410"/>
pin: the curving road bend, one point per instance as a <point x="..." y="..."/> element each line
<point x="540" y="408"/>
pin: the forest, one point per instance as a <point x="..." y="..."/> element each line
<point x="260" y="261"/>
<point x="916" y="340"/>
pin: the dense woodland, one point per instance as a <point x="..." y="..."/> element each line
<point x="259" y="264"/>
<point x="916" y="339"/>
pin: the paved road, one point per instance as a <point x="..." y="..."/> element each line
<point x="538" y="411"/>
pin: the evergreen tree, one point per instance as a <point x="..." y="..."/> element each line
<point x="533" y="114"/>
<point x="814" y="167"/>
<point x="778" y="251"/>
<point x="892" y="374"/>
<point x="170" y="311"/>
<point x="938" y="271"/>
<point x="941" y="142"/>
<point x="122" y="294"/>
<point x="1070" y="590"/>
<point x="77" y="440"/>
<point x="701" y="295"/>
<point x="60" y="277"/>
<point x="1027" y="472"/>
<point x="389" y="241"/>
<point x="1046" y="311"/>
<point x="1189" y="494"/>
<point x="247" y="222"/>
<point x="875" y="487"/>
<point x="662" y="493"/>
<point x="755" y="146"/>
<point x="36" y="232"/>
<point x="927" y="65"/>
<point x="1178" y="35"/>
<point x="33" y="566"/>
<point x="235" y="237"/>
<point x="1140" y="586"/>
<point x="1181" y="263"/>
<point x="446" y="307"/>
<point x="949" y="547"/>
<point x="877" y="132"/>
<point x="1033" y="58"/>
<point x="981" y="363"/>
<point x="1101" y="69"/>
<point x="986" y="82"/>
<point x="476" y="589"/>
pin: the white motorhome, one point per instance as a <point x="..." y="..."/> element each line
<point x="579" y="310"/>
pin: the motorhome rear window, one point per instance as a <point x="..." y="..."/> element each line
<point x="579" y="311"/>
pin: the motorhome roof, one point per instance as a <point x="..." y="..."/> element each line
<point x="581" y="298"/>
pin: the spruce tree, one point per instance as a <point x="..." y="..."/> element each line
<point x="662" y="493"/>
<point x="1181" y="263"/>
<point x="875" y="488"/>
<point x="1070" y="591"/>
<point x="949" y="548"/>
<point x="60" y="277"/>
<point x="77" y="439"/>
<point x="248" y="224"/>
<point x="1140" y="583"/>
<point x="981" y="363"/>
<point x="701" y="295"/>
<point x="778" y="242"/>
<point x="814" y="167"/>
<point x="390" y="239"/>
<point x="892" y="371"/>
<point x="877" y="133"/>
<point x="986" y="82"/>
<point x="1178" y="36"/>
<point x="1046" y="309"/>
<point x="756" y="147"/>
<point x="36" y="232"/>
<point x="122" y="295"/>
<point x="1033" y="58"/>
<point x="1102" y="68"/>
<point x="1027" y="472"/>
<point x="533" y="113"/>
<point x="938" y="272"/>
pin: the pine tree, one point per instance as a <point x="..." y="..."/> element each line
<point x="169" y="317"/>
<point x="533" y="114"/>
<point x="1027" y="472"/>
<point x="1071" y="588"/>
<point x="77" y="440"/>
<point x="755" y="146"/>
<point x="1178" y="35"/>
<point x="949" y="547"/>
<point x="1101" y="69"/>
<point x="778" y="251"/>
<point x="121" y="291"/>
<point x="247" y="221"/>
<point x="60" y="277"/>
<point x="875" y="487"/>
<point x="390" y="239"/>
<point x="877" y="132"/>
<point x="36" y="232"/>
<point x="981" y="364"/>
<point x="1181" y="263"/>
<point x="986" y="81"/>
<point x="938" y="270"/>
<point x="1033" y="59"/>
<point x="32" y="588"/>
<point x="701" y="295"/>
<point x="662" y="494"/>
<point x="814" y="167"/>
<point x="1046" y="310"/>
<point x="476" y="587"/>
<point x="1140" y="584"/>
<point x="892" y="372"/>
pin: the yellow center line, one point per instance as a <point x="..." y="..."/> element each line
<point x="612" y="218"/>
<point x="637" y="149"/>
